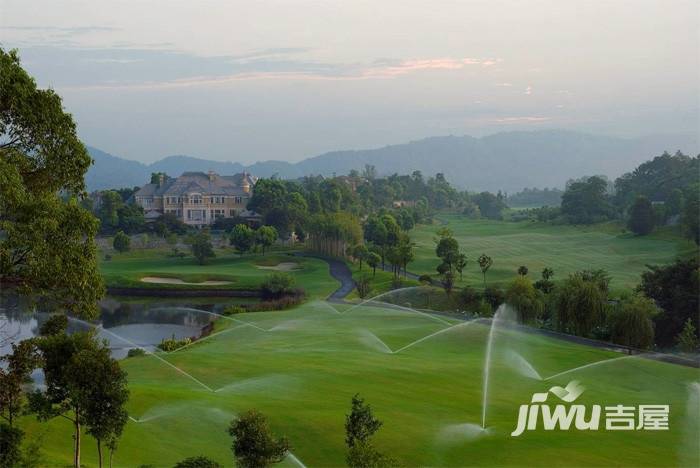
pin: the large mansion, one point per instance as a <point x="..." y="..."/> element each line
<point x="197" y="198"/>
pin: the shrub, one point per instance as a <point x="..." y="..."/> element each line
<point x="197" y="462"/>
<point x="277" y="285"/>
<point x="469" y="299"/>
<point x="135" y="352"/>
<point x="425" y="279"/>
<point x="494" y="296"/>
<point x="233" y="310"/>
<point x="525" y="299"/>
<point x="121" y="242"/>
<point x="171" y="344"/>
<point x="363" y="286"/>
<point x="631" y="325"/>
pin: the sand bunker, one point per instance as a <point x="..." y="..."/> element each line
<point x="158" y="279"/>
<point x="284" y="266"/>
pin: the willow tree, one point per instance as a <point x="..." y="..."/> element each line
<point x="580" y="304"/>
<point x="47" y="246"/>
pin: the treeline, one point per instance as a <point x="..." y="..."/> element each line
<point x="534" y="197"/>
<point x="665" y="190"/>
<point x="662" y="312"/>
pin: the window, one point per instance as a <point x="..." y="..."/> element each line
<point x="196" y="199"/>
<point x="238" y="200"/>
<point x="232" y="213"/>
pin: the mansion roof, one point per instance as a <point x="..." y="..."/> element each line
<point x="199" y="182"/>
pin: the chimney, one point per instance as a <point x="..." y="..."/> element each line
<point x="211" y="175"/>
<point x="161" y="179"/>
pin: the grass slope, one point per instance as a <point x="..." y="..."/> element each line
<point x="566" y="249"/>
<point x="301" y="368"/>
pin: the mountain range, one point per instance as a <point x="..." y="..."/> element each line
<point x="506" y="161"/>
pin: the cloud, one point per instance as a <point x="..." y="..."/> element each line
<point x="504" y="85"/>
<point x="75" y="68"/>
<point x="524" y="119"/>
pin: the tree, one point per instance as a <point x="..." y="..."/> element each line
<point x="485" y="263"/>
<point x="460" y="264"/>
<point x="254" y="445"/>
<point x="676" y="290"/>
<point x="66" y="394"/>
<point x="360" y="426"/>
<point x="201" y="247"/>
<point x="525" y="299"/>
<point x="522" y="270"/>
<point x="580" y="304"/>
<point x="360" y="252"/>
<point x="41" y="158"/>
<point x="546" y="285"/>
<point x="55" y="325"/>
<point x="99" y="384"/>
<point x="586" y="201"/>
<point x="242" y="238"/>
<point x="406" y="252"/>
<point x="687" y="339"/>
<point x="13" y="376"/>
<point x="373" y="260"/>
<point x="448" y="281"/>
<point x="266" y="236"/>
<point x="631" y="325"/>
<point x="691" y="213"/>
<point x="197" y="462"/>
<point x="641" y="219"/>
<point x="121" y="242"/>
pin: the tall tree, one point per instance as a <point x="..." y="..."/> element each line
<point x="13" y="376"/>
<point x="266" y="237"/>
<point x="485" y="263"/>
<point x="580" y="304"/>
<point x="47" y="248"/>
<point x="631" y="325"/>
<point x="641" y="217"/>
<point x="360" y="427"/>
<point x="586" y="201"/>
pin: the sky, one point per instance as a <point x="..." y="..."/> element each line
<point x="245" y="81"/>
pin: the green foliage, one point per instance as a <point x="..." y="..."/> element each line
<point x="360" y="426"/>
<point x="277" y="285"/>
<point x="546" y="285"/>
<point x="363" y="286"/>
<point x="202" y="248"/>
<point x="121" y="242"/>
<point x="485" y="263"/>
<point x="522" y="270"/>
<point x="197" y="462"/>
<point x="15" y="371"/>
<point x="172" y="343"/>
<point x="254" y="445"/>
<point x="586" y="201"/>
<point x="242" y="238"/>
<point x="490" y="206"/>
<point x="469" y="299"/>
<point x="631" y="325"/>
<point x="536" y="197"/>
<point x="10" y="443"/>
<point x="135" y="352"/>
<point x="676" y="290"/>
<point x="47" y="248"/>
<point x="658" y="179"/>
<point x="494" y="296"/>
<point x="691" y="213"/>
<point x="525" y="299"/>
<point x="687" y="339"/>
<point x="55" y="325"/>
<point x="373" y="260"/>
<point x="233" y="310"/>
<point x="265" y="236"/>
<point x="580" y="303"/>
<point x="641" y="217"/>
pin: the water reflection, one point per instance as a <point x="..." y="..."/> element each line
<point x="144" y="322"/>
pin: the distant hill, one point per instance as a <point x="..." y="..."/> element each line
<point x="507" y="161"/>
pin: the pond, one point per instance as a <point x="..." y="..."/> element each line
<point x="124" y="323"/>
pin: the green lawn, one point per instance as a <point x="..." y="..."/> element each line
<point x="301" y="367"/>
<point x="244" y="272"/>
<point x="566" y="249"/>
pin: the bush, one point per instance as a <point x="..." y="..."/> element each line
<point x="233" y="310"/>
<point x="197" y="462"/>
<point x="494" y="296"/>
<point x="171" y="344"/>
<point x="277" y="285"/>
<point x="525" y="299"/>
<point x="363" y="286"/>
<point x="294" y="298"/>
<point x="631" y="325"/>
<point x="469" y="299"/>
<point x="425" y="279"/>
<point x="121" y="242"/>
<point x="135" y="352"/>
